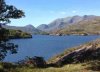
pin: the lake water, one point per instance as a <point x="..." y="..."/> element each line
<point x="46" y="46"/>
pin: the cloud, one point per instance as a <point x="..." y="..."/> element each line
<point x="74" y="11"/>
<point x="63" y="12"/>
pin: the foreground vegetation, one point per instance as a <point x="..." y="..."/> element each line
<point x="92" y="66"/>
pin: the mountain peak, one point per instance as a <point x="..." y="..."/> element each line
<point x="29" y="26"/>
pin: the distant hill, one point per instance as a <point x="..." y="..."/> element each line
<point x="68" y="24"/>
<point x="43" y="27"/>
<point x="28" y="29"/>
<point x="18" y="34"/>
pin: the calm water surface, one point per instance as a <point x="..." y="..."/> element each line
<point x="46" y="46"/>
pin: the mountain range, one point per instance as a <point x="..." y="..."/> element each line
<point x="64" y="22"/>
<point x="74" y="24"/>
<point x="67" y="25"/>
<point x="59" y="23"/>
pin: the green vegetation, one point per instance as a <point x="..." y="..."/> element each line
<point x="92" y="66"/>
<point x="67" y="68"/>
<point x="15" y="34"/>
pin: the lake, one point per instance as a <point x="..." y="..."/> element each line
<point x="45" y="46"/>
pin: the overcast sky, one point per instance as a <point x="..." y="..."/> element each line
<point x="45" y="11"/>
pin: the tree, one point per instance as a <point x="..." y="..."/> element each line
<point x="7" y="12"/>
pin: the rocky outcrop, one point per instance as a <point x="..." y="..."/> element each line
<point x="87" y="52"/>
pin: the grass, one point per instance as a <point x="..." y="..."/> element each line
<point x="66" y="68"/>
<point x="92" y="66"/>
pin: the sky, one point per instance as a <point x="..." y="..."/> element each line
<point x="45" y="11"/>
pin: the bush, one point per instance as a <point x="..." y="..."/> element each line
<point x="38" y="62"/>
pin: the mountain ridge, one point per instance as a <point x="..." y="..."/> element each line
<point x="63" y="23"/>
<point x="28" y="28"/>
<point x="67" y="25"/>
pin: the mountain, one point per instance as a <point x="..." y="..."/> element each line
<point x="42" y="27"/>
<point x="88" y="25"/>
<point x="59" y="23"/>
<point x="63" y="23"/>
<point x="28" y="28"/>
